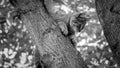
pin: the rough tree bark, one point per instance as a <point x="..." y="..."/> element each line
<point x="109" y="15"/>
<point x="56" y="51"/>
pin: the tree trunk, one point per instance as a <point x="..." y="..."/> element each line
<point x="109" y="15"/>
<point x="56" y="51"/>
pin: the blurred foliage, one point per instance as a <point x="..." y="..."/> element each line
<point x="16" y="47"/>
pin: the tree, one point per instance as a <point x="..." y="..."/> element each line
<point x="54" y="49"/>
<point x="109" y="16"/>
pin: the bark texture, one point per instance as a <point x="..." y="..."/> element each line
<point x="109" y="15"/>
<point x="56" y="51"/>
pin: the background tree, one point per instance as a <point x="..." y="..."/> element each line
<point x="108" y="13"/>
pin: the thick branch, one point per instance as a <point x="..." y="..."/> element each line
<point x="56" y="51"/>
